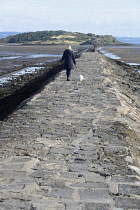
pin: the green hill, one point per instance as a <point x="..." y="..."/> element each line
<point x="60" y="37"/>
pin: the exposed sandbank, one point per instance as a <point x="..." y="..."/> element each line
<point x="127" y="54"/>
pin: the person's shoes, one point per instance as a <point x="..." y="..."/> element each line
<point x="68" y="79"/>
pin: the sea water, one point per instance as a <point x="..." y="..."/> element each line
<point x="129" y="40"/>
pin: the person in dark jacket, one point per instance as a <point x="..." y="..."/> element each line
<point x="69" y="61"/>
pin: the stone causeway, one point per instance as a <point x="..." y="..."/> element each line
<point x="64" y="149"/>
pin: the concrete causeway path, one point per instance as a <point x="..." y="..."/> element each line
<point x="65" y="149"/>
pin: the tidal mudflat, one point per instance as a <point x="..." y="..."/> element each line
<point x="14" y="57"/>
<point x="127" y="54"/>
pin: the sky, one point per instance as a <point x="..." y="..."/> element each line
<point x="100" y="17"/>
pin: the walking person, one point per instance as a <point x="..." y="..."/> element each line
<point x="69" y="61"/>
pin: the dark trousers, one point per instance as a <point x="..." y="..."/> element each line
<point x="68" y="72"/>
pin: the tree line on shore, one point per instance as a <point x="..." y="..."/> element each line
<point x="60" y="37"/>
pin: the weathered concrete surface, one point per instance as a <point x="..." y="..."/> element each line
<point x="71" y="146"/>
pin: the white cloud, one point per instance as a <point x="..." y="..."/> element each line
<point x="99" y="16"/>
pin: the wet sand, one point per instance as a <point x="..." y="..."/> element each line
<point x="126" y="54"/>
<point x="21" y="51"/>
<point x="18" y="48"/>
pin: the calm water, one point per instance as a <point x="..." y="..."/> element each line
<point x="129" y="40"/>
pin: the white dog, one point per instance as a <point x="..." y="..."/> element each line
<point x="81" y="78"/>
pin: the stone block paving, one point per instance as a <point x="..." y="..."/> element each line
<point x="64" y="149"/>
